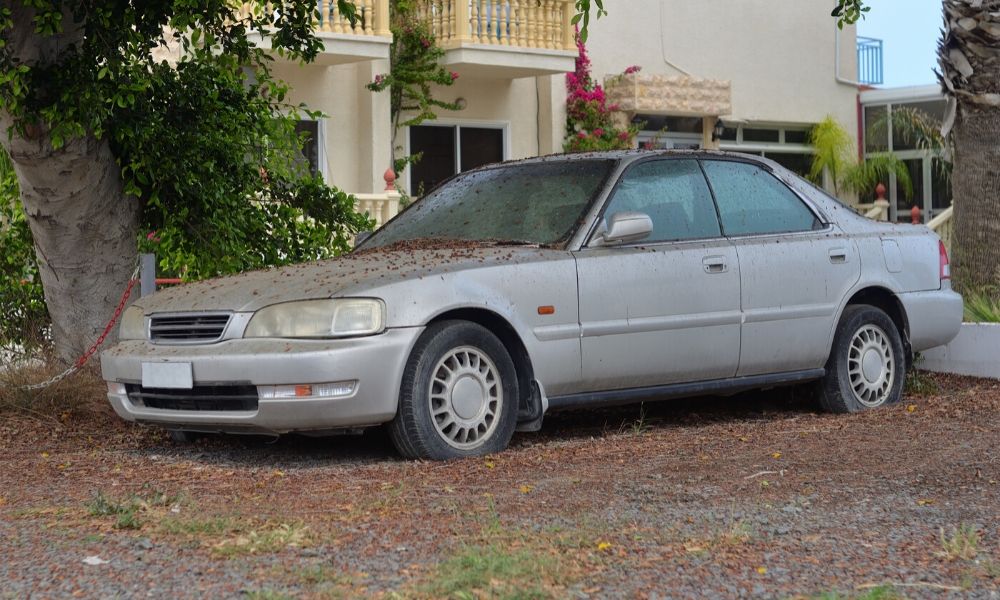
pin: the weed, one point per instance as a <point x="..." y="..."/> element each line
<point x="638" y="426"/>
<point x="740" y="532"/>
<point x="962" y="544"/>
<point x="127" y="510"/>
<point x="918" y="382"/>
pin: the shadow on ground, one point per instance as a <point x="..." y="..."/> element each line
<point x="374" y="446"/>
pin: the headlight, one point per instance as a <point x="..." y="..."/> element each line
<point x="133" y="324"/>
<point x="318" y="319"/>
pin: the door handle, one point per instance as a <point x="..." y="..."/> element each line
<point x="714" y="264"/>
<point x="838" y="255"/>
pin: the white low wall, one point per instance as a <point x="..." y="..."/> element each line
<point x="976" y="351"/>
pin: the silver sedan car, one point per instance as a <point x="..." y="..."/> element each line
<point x="549" y="283"/>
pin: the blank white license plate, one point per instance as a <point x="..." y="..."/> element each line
<point x="176" y="375"/>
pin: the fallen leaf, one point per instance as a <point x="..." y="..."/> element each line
<point x="602" y="546"/>
<point x="924" y="502"/>
<point x="279" y="473"/>
<point x="94" y="561"/>
<point x="490" y="464"/>
<point x="762" y="570"/>
<point x="744" y="438"/>
<point x="44" y="454"/>
<point x="911" y="407"/>
<point x="776" y="455"/>
<point x="526" y="488"/>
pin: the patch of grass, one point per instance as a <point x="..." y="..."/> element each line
<point x="962" y="544"/>
<point x="495" y="571"/>
<point x="198" y="527"/>
<point x="919" y="383"/>
<point x="882" y="592"/>
<point x="267" y="594"/>
<point x="127" y="510"/>
<point x="83" y="394"/>
<point x="263" y="541"/>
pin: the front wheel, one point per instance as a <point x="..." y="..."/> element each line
<point x="459" y="394"/>
<point x="867" y="366"/>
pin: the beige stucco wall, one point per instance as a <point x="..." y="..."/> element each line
<point x="778" y="54"/>
<point x="356" y="122"/>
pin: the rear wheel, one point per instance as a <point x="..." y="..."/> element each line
<point x="867" y="365"/>
<point x="459" y="394"/>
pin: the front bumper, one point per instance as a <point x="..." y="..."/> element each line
<point x="375" y="362"/>
<point x="934" y="317"/>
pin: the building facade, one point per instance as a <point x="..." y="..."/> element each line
<point x="766" y="69"/>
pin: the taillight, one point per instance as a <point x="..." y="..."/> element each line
<point x="945" y="265"/>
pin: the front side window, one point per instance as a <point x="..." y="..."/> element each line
<point x="753" y="202"/>
<point x="674" y="195"/>
<point x="533" y="203"/>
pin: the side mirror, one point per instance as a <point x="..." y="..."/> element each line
<point x="361" y="237"/>
<point x="622" y="228"/>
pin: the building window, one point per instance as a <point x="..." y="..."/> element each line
<point x="930" y="181"/>
<point x="312" y="148"/>
<point x="446" y="150"/>
<point x="787" y="145"/>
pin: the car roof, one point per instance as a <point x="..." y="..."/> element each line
<point x="637" y="154"/>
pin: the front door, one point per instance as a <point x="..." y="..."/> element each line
<point x="794" y="269"/>
<point x="665" y="309"/>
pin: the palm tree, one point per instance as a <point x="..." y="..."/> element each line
<point x="969" y="57"/>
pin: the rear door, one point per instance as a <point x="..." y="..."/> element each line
<point x="794" y="269"/>
<point x="666" y="309"/>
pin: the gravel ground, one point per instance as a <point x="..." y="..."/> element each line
<point x="752" y="496"/>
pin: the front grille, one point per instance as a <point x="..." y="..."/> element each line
<point x="205" y="397"/>
<point x="194" y="327"/>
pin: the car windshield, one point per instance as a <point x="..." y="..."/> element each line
<point x="533" y="203"/>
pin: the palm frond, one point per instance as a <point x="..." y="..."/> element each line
<point x="878" y="168"/>
<point x="833" y="150"/>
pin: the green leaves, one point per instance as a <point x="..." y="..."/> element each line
<point x="849" y="12"/>
<point x="582" y="17"/>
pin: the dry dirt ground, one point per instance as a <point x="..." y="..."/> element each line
<point x="752" y="496"/>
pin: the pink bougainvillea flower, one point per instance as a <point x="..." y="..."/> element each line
<point x="598" y="132"/>
<point x="454" y="76"/>
<point x="633" y="69"/>
<point x="152" y="237"/>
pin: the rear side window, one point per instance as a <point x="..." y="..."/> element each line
<point x="674" y="195"/>
<point x="753" y="202"/>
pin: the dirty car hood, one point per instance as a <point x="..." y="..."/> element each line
<point x="353" y="274"/>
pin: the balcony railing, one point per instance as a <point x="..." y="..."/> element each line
<point x="870" y="61"/>
<point x="536" y="24"/>
<point x="372" y="16"/>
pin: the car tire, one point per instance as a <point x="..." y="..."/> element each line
<point x="458" y="396"/>
<point x="867" y="365"/>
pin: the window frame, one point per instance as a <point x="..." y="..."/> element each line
<point x="456" y="125"/>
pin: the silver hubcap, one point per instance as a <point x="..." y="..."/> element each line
<point x="870" y="365"/>
<point x="466" y="397"/>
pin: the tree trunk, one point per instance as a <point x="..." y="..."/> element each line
<point x="969" y="56"/>
<point x="976" y="189"/>
<point x="84" y="230"/>
<point x="84" y="226"/>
